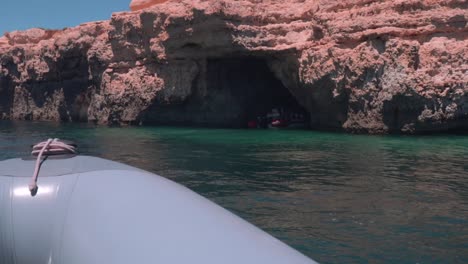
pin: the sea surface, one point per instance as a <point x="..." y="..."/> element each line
<point x="337" y="198"/>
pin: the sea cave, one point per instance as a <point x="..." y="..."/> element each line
<point x="236" y="93"/>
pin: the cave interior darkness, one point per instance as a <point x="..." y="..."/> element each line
<point x="254" y="86"/>
<point x="237" y="90"/>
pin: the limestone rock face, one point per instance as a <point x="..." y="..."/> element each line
<point x="354" y="65"/>
<point x="141" y="4"/>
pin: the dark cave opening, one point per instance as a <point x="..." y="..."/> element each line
<point x="234" y="92"/>
<point x="253" y="87"/>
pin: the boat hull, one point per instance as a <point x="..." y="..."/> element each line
<point x="91" y="210"/>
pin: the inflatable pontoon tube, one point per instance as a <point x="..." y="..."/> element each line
<point x="90" y="210"/>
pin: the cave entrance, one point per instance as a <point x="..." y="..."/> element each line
<point x="253" y="96"/>
<point x="231" y="92"/>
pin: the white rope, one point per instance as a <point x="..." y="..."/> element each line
<point x="49" y="147"/>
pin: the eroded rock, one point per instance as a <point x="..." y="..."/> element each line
<point x="359" y="66"/>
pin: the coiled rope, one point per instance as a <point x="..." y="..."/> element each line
<point x="47" y="148"/>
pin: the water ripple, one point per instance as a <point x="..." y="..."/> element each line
<point x="337" y="198"/>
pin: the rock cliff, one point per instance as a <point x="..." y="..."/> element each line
<point x="355" y="65"/>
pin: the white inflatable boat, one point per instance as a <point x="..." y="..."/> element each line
<point x="91" y="210"/>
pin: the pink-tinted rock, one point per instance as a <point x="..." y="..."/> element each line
<point x="30" y="36"/>
<point x="4" y="41"/>
<point x="142" y="4"/>
<point x="359" y="66"/>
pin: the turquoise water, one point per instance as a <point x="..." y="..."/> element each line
<point x="337" y="198"/>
